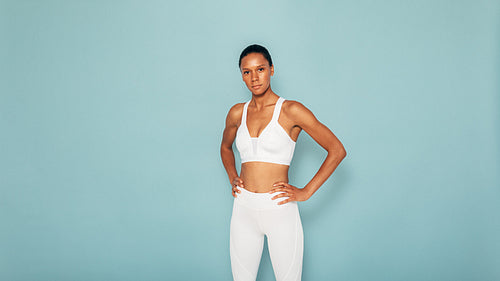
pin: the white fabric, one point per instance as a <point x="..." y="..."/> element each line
<point x="273" y="145"/>
<point x="255" y="215"/>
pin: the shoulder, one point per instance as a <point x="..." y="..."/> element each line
<point x="234" y="114"/>
<point x="295" y="109"/>
<point x="236" y="110"/>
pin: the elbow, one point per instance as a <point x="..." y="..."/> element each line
<point x="338" y="151"/>
<point x="225" y="149"/>
<point x="343" y="152"/>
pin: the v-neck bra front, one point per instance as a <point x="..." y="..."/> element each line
<point x="273" y="145"/>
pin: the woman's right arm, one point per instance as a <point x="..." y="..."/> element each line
<point x="226" y="148"/>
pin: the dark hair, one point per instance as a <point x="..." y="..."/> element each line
<point x="256" y="49"/>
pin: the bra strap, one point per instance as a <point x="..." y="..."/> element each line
<point x="244" y="115"/>
<point x="277" y="109"/>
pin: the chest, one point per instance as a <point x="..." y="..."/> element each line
<point x="257" y="121"/>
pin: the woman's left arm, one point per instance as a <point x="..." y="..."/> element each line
<point x="305" y="119"/>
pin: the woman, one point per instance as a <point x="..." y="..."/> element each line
<point x="265" y="130"/>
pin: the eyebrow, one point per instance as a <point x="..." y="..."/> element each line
<point x="256" y="66"/>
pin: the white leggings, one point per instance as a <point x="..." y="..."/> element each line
<point x="256" y="215"/>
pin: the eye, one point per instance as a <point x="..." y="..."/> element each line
<point x="261" y="69"/>
<point x="245" y="72"/>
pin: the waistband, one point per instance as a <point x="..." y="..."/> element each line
<point x="260" y="201"/>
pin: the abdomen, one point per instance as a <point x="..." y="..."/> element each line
<point x="260" y="176"/>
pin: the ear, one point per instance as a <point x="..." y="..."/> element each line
<point x="272" y="70"/>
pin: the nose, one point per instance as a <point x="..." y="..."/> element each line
<point x="254" y="77"/>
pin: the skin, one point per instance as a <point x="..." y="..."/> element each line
<point x="294" y="117"/>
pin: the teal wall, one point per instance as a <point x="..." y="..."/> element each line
<point x="111" y="114"/>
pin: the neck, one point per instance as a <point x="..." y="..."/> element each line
<point x="269" y="97"/>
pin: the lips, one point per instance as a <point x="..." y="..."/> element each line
<point x="256" y="86"/>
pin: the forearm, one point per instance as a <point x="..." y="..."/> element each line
<point x="332" y="161"/>
<point x="227" y="156"/>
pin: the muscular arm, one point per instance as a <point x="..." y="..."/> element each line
<point x="305" y="119"/>
<point x="226" y="147"/>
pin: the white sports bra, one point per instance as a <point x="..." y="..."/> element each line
<point x="273" y="145"/>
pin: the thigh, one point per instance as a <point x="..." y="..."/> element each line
<point x="246" y="243"/>
<point x="286" y="243"/>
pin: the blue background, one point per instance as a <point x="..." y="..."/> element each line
<point x="111" y="115"/>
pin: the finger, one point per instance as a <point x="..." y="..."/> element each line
<point x="281" y="183"/>
<point x="279" y="189"/>
<point x="281" y="195"/>
<point x="285" y="201"/>
<point x="280" y="186"/>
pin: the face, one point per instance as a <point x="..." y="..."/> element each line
<point x="256" y="73"/>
